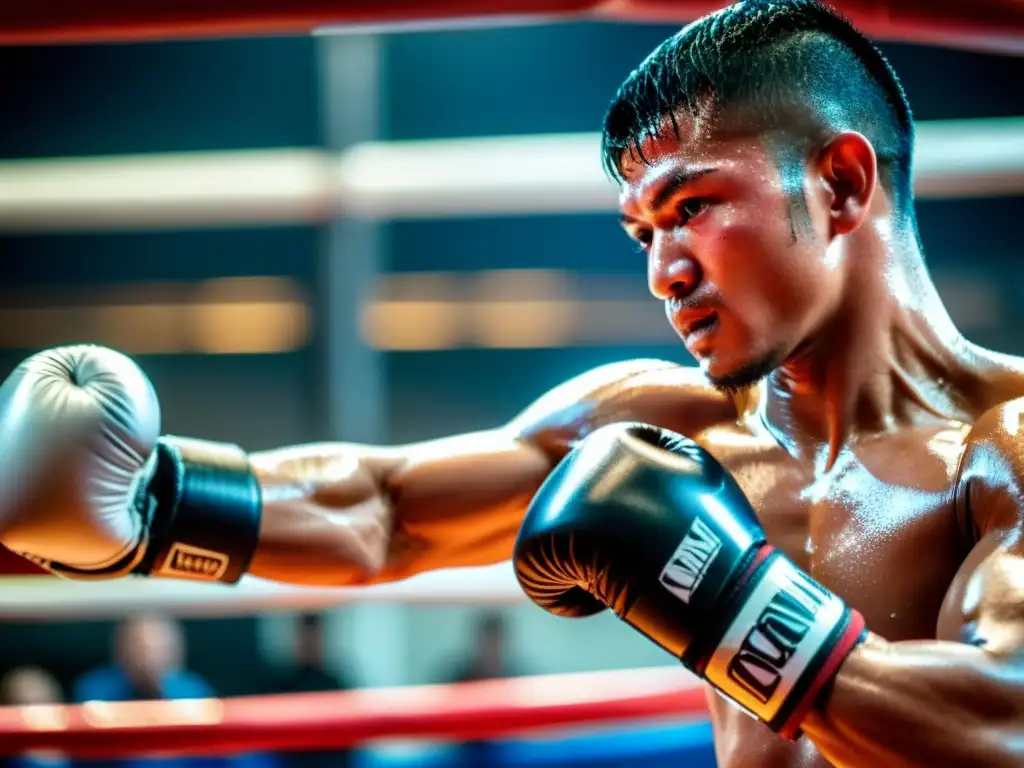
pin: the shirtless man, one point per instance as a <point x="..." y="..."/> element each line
<point x="763" y="156"/>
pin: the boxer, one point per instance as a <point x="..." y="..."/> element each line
<point x="823" y="520"/>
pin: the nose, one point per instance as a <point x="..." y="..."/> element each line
<point x="671" y="272"/>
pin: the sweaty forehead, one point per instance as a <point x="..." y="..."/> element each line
<point x="692" y="148"/>
<point x="685" y="136"/>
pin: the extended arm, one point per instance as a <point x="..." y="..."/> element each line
<point x="347" y="514"/>
<point x="947" y="702"/>
<point x="90" y="488"/>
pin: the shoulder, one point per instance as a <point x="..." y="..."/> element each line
<point x="995" y="443"/>
<point x="648" y="390"/>
<point x="186" y="684"/>
<point x="991" y="478"/>
<point x="100" y="684"/>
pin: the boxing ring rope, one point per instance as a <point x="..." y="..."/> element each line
<point x="46" y="598"/>
<point x="463" y="711"/>
<point x="994" y="25"/>
<point x="510" y="175"/>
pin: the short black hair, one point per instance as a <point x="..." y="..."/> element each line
<point x="795" y="67"/>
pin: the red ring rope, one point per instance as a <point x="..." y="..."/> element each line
<point x="461" y="711"/>
<point x="994" y="24"/>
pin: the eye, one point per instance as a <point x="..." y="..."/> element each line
<point x="642" y="237"/>
<point x="692" y="207"/>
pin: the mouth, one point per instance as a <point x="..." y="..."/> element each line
<point x="696" y="330"/>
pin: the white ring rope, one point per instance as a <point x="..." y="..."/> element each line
<point x="47" y="597"/>
<point x="553" y="174"/>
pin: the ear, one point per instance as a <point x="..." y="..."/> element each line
<point x="849" y="169"/>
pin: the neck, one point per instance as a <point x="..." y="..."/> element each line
<point x="888" y="356"/>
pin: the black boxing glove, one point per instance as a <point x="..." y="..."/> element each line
<point x="645" y="522"/>
<point x="89" y="490"/>
<point x="201" y="503"/>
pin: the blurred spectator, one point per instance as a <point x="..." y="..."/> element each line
<point x="149" y="663"/>
<point x="490" y="657"/>
<point x="149" y="658"/>
<point x="309" y="672"/>
<point x="31" y="686"/>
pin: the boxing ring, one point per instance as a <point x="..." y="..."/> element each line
<point x="648" y="716"/>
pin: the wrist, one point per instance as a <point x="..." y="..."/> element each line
<point x="201" y="503"/>
<point x="784" y="642"/>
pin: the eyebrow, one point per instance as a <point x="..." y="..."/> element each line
<point x="674" y="181"/>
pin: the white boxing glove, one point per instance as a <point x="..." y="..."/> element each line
<point x="88" y="488"/>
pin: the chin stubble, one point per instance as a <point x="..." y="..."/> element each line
<point x="748" y="375"/>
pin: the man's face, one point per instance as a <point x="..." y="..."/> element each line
<point x="740" y="260"/>
<point x="148" y="649"/>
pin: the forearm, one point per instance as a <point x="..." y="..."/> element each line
<point x="922" y="704"/>
<point x="341" y="514"/>
<point x="305" y="537"/>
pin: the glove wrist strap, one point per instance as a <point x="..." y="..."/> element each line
<point x="787" y="639"/>
<point x="202" y="502"/>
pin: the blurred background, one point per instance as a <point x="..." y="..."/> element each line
<point x="377" y="330"/>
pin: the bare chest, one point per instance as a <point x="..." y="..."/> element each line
<point x="879" y="529"/>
